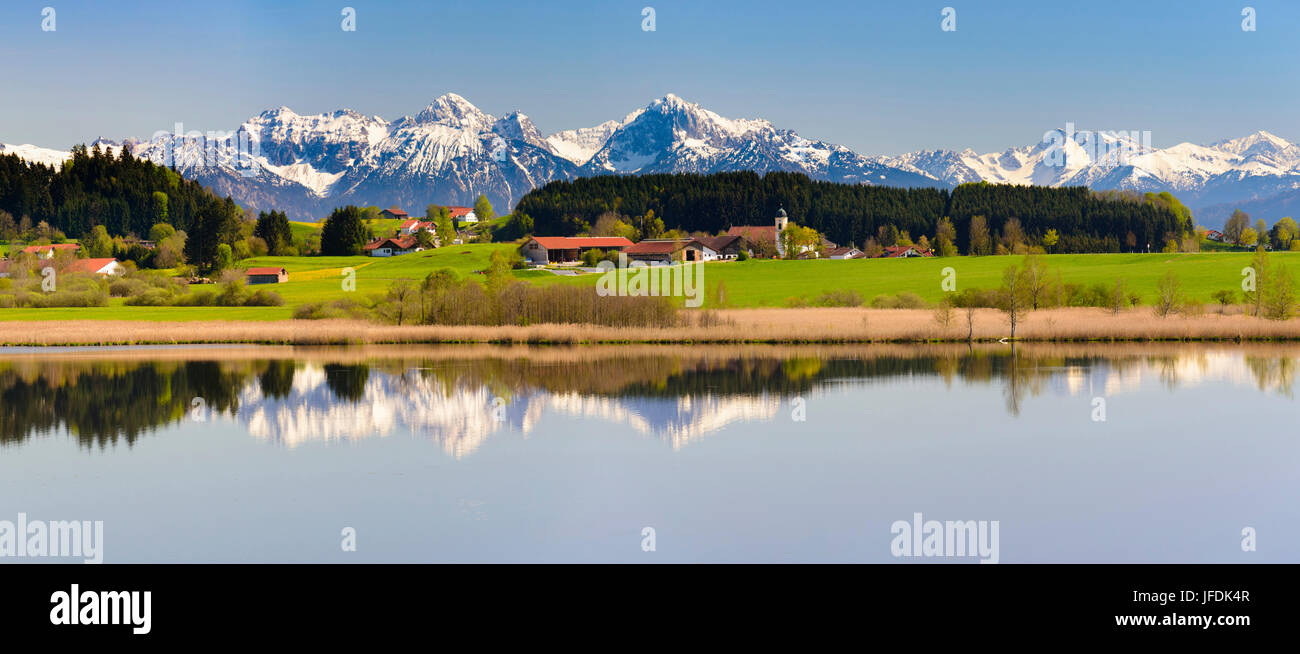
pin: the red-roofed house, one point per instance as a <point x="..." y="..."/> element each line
<point x="669" y="250"/>
<point x="266" y="275"/>
<point x="47" y="251"/>
<point x="393" y="213"/>
<point x="391" y="247"/>
<point x="904" y="251"/>
<point x="101" y="267"/>
<point x="559" y="249"/>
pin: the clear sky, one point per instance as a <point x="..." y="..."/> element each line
<point x="879" y="77"/>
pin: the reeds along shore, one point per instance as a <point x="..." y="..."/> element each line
<point x="810" y="325"/>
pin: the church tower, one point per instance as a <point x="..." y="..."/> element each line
<point x="781" y="220"/>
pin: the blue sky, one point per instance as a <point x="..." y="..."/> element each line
<point x="879" y="77"/>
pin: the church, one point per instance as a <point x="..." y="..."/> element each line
<point x="771" y="234"/>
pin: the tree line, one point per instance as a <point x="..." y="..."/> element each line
<point x="976" y="218"/>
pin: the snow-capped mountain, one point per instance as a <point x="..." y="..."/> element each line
<point x="451" y="151"/>
<point x="1250" y="168"/>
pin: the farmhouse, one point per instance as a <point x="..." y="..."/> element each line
<point x="47" y="251"/>
<point x="462" y="215"/>
<point x="101" y="267"/>
<point x="267" y="275"/>
<point x="670" y="250"/>
<point x="393" y="213"/>
<point x="391" y="247"/>
<point x="846" y="252"/>
<point x="904" y="251"/>
<point x="728" y="246"/>
<point x="412" y="226"/>
<point x="561" y="249"/>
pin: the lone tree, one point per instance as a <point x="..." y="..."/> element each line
<point x="1011" y="298"/>
<point x="483" y="209"/>
<point x="273" y="227"/>
<point x="344" y="233"/>
<point x="1169" y="294"/>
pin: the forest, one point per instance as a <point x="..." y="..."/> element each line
<point x="1082" y="220"/>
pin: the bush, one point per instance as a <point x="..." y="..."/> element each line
<point x="904" y="300"/>
<point x="264" y="298"/>
<point x="337" y="309"/>
<point x="845" y="298"/>
<point x="154" y="297"/>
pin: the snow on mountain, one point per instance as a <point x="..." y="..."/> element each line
<point x="54" y="158"/>
<point x="579" y="145"/>
<point x="450" y="152"/>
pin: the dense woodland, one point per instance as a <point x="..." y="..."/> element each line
<point x="123" y="195"/>
<point x="1084" y="220"/>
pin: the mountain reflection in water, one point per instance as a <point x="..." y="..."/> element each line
<point x="459" y="397"/>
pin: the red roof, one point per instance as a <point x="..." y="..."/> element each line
<point x="403" y="243"/>
<point x="658" y="247"/>
<point x="33" y="249"/>
<point x="265" y="271"/>
<point x="754" y="233"/>
<point x="573" y="242"/>
<point x="90" y="265"/>
<point x="457" y="212"/>
<point x="395" y="211"/>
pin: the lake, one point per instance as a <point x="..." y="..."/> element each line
<point x="1073" y="453"/>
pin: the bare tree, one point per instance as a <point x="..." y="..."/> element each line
<point x="1011" y="298"/>
<point x="1169" y="292"/>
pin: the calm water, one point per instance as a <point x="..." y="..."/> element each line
<point x="729" y="454"/>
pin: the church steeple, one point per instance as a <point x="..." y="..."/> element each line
<point x="781" y="220"/>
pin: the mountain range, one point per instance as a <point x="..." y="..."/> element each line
<point x="451" y="151"/>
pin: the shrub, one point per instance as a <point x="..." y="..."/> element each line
<point x="844" y="298"/>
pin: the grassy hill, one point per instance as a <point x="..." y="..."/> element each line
<point x="755" y="283"/>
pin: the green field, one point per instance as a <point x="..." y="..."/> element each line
<point x="754" y="283"/>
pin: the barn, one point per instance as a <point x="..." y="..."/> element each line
<point x="267" y="275"/>
<point x="562" y="249"/>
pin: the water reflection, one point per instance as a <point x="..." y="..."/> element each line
<point x="460" y="396"/>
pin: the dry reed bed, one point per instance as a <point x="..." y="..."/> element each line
<point x="809" y="325"/>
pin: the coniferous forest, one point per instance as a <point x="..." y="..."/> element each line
<point x="1084" y="220"/>
<point x="128" y="196"/>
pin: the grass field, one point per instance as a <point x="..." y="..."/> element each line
<point x="754" y="283"/>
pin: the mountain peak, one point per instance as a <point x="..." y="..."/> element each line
<point x="454" y="111"/>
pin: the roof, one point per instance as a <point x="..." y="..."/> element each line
<point x="395" y="211"/>
<point x="90" y="265"/>
<point x="266" y="271"/>
<point x="846" y="250"/>
<point x="33" y="249"/>
<point x="659" y="246"/>
<point x="894" y="251"/>
<point x="457" y="212"/>
<point x="719" y="243"/>
<point x="754" y="233"/>
<point x="403" y="243"/>
<point x="571" y="242"/>
<point x="410" y="224"/>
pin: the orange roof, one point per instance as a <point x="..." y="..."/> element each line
<point x="754" y="232"/>
<point x="33" y="249"/>
<point x="573" y="242"/>
<point x="404" y="243"/>
<point x="90" y="265"/>
<point x="658" y="246"/>
<point x="265" y="271"/>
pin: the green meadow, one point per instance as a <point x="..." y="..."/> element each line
<point x="754" y="283"/>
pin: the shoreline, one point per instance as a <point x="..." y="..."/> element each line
<point x="732" y="326"/>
